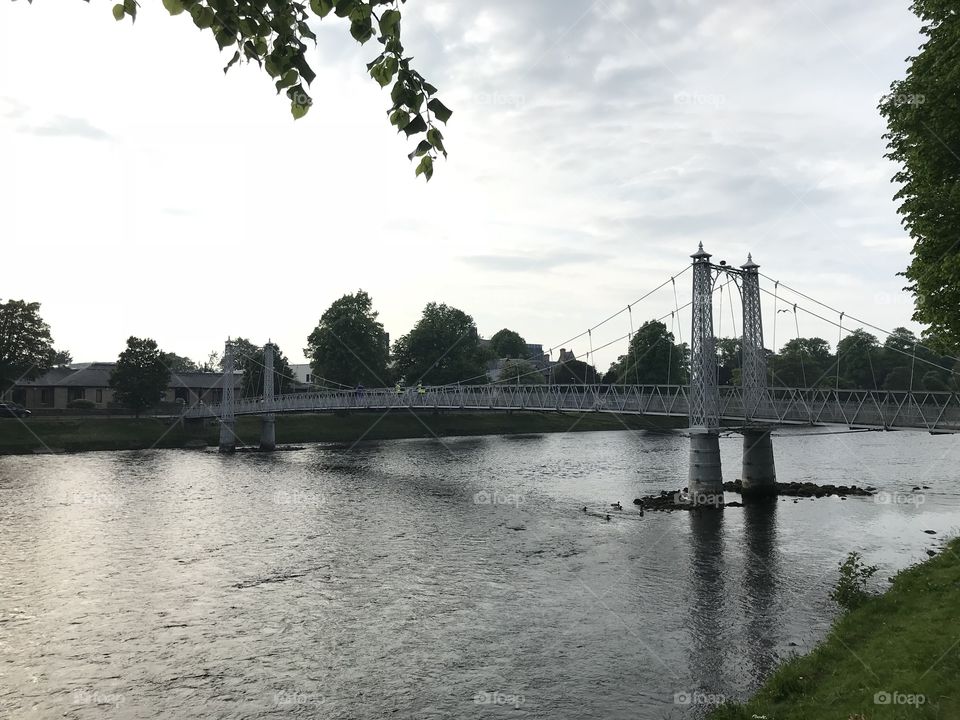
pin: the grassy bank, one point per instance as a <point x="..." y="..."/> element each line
<point x="98" y="433"/>
<point x="897" y="656"/>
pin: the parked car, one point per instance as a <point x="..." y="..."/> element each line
<point x="14" y="410"/>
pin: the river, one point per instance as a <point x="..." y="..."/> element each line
<point x="433" y="579"/>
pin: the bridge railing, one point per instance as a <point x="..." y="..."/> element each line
<point x="776" y="405"/>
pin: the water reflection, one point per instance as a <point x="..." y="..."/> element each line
<point x="707" y="569"/>
<point x="761" y="569"/>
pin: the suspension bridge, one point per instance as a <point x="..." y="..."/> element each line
<point x="752" y="408"/>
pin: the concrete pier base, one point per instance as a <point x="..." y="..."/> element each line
<point x="759" y="471"/>
<point x="705" y="485"/>
<point x="228" y="436"/>
<point x="268" y="434"/>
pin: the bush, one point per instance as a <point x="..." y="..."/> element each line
<point x="81" y="405"/>
<point x="851" y="588"/>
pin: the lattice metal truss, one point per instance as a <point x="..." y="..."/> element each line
<point x="704" y="392"/>
<point x="227" y="404"/>
<point x="754" y="370"/>
<point x="268" y="392"/>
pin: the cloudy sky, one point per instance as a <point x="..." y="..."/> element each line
<point x="593" y="145"/>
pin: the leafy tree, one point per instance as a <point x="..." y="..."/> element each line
<point x="442" y="348"/>
<point x="179" y="364"/>
<point x="574" y="372"/>
<point x="934" y="381"/>
<point x="349" y="346"/>
<point x="850" y="590"/>
<point x="61" y="358"/>
<point x="140" y="376"/>
<point x="860" y="362"/>
<point x="274" y="35"/>
<point x="26" y="348"/>
<point x="213" y="363"/>
<point x="803" y="362"/>
<point x="518" y="370"/>
<point x="653" y="358"/>
<point x="897" y="378"/>
<point x="508" y="344"/>
<point x="250" y="360"/>
<point x="923" y="138"/>
<point x="729" y="354"/>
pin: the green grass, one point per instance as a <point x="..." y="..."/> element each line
<point x="905" y="641"/>
<point x="40" y="434"/>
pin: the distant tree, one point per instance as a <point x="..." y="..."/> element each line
<point x="902" y="348"/>
<point x="349" y="346"/>
<point x="274" y="34"/>
<point x="923" y="123"/>
<point x="518" y="370"/>
<point x="803" y="362"/>
<point x="249" y="359"/>
<point x="26" y="348"/>
<point x="574" y="372"/>
<point x="178" y="363"/>
<point x="61" y="358"/>
<point x="653" y="358"/>
<point x="508" y="344"/>
<point x="140" y="377"/>
<point x="728" y="360"/>
<point x="442" y="348"/>
<point x="897" y="378"/>
<point x="934" y="381"/>
<point x="860" y="361"/>
<point x="213" y="363"/>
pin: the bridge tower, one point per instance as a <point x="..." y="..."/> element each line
<point x="268" y="435"/>
<point x="228" y="435"/>
<point x="705" y="484"/>
<point x="759" y="476"/>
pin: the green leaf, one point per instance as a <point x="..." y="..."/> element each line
<point x="233" y="61"/>
<point x="425" y="167"/>
<point x="118" y="12"/>
<point x="289" y="78"/>
<point x="390" y="23"/>
<point x="321" y="8"/>
<point x="440" y="110"/>
<point x="435" y="139"/>
<point x="429" y="89"/>
<point x="361" y="30"/>
<point x="174" y="7"/>
<point x="422" y="149"/>
<point x="416" y="125"/>
<point x="400" y="118"/>
<point x="298" y="110"/>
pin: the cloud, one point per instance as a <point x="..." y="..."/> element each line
<point x="531" y="263"/>
<point x="63" y="126"/>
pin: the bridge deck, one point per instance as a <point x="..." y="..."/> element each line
<point x="932" y="411"/>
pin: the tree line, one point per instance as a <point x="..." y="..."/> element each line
<point x="349" y="348"/>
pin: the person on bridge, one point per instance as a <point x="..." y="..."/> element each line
<point x="399" y="390"/>
<point x="421" y="391"/>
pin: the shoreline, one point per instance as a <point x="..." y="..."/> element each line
<point x="43" y="435"/>
<point x="895" y="656"/>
